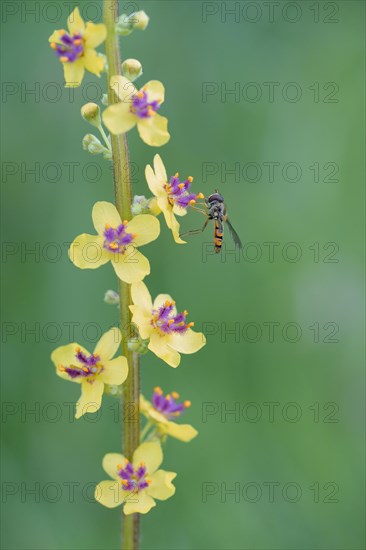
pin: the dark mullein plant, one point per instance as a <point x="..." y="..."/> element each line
<point x="136" y="479"/>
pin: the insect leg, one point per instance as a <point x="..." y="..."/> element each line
<point x="204" y="212"/>
<point x="195" y="231"/>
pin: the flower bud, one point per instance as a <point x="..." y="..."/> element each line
<point x="139" y="20"/>
<point x="131" y="69"/>
<point x="91" y="113"/>
<point x="111" y="297"/>
<point x="153" y="207"/>
<point x="115" y="391"/>
<point x="138" y="346"/>
<point x="127" y="23"/>
<point x="140" y="205"/>
<point x="93" y="145"/>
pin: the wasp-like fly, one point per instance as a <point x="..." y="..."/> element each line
<point x="215" y="209"/>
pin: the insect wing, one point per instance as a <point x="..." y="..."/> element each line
<point x="234" y="235"/>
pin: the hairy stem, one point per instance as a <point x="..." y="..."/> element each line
<point x="122" y="190"/>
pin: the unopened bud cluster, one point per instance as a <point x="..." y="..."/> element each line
<point x="128" y="23"/>
<point x="142" y="205"/>
<point x="92" y="144"/>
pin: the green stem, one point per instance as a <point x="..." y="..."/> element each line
<point x="105" y="137"/>
<point x="122" y="190"/>
<point x="145" y="429"/>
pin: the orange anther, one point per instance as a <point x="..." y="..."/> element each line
<point x="175" y="395"/>
<point x="187" y="404"/>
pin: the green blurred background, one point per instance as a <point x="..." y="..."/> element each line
<point x="315" y="384"/>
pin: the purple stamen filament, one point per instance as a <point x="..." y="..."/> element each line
<point x="166" y="322"/>
<point x="87" y="366"/>
<point x="70" y="49"/>
<point x="142" y="107"/>
<point x="116" y="240"/>
<point x="168" y="404"/>
<point x="179" y="192"/>
<point x="133" y="479"/>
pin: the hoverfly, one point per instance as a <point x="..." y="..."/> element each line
<point x="215" y="209"/>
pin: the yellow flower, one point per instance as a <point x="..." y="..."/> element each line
<point x="92" y="371"/>
<point x="173" y="197"/>
<point x="168" y="331"/>
<point x="76" y="48"/>
<point x="138" y="107"/>
<point x="136" y="483"/>
<point x="117" y="242"/>
<point x="162" y="410"/>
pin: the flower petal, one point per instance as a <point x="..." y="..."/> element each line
<point x="183" y="432"/>
<point x="93" y="61"/>
<point x="75" y="22"/>
<point x="91" y="397"/>
<point x="105" y="213"/>
<point x="161" y="486"/>
<point x="109" y="493"/>
<point x="94" y="34"/>
<point x="123" y="88"/>
<point x="179" y="211"/>
<point x="141" y="297"/>
<point x="161" y="299"/>
<point x="115" y="371"/>
<point x="145" y="227"/>
<point x="142" y="309"/>
<point x="73" y="73"/>
<point x="159" y="168"/>
<point x="158" y="345"/>
<point x="145" y="405"/>
<point x="138" y="503"/>
<point x="171" y="222"/>
<point x="150" y="454"/>
<point x="108" y="344"/>
<point x="155" y="184"/>
<point x="143" y="323"/>
<point x="118" y="118"/>
<point x="154" y="130"/>
<point x="189" y="342"/>
<point x="111" y="463"/>
<point x="132" y="266"/>
<point x="66" y="356"/>
<point x="56" y="36"/>
<point x="155" y="90"/>
<point x="87" y="251"/>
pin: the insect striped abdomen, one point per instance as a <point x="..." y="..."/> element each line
<point x="218" y="235"/>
